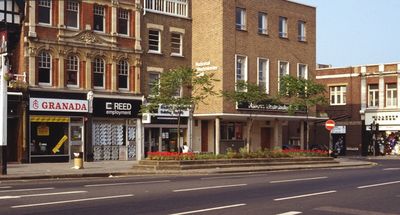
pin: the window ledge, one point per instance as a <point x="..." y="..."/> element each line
<point x="263" y="34"/>
<point x="177" y="55"/>
<point x="44" y="24"/>
<point x="154" y="52"/>
<point x="242" y="30"/>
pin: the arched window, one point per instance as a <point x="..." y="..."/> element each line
<point x="123" y="75"/>
<point x="98" y="73"/>
<point x="44" y="66"/>
<point x="72" y="71"/>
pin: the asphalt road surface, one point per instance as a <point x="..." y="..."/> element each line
<point x="358" y="191"/>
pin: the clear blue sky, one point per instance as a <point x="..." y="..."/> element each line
<point x="356" y="32"/>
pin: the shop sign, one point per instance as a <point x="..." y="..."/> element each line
<point x="262" y="107"/>
<point x="120" y="108"/>
<point x="59" y="105"/>
<point x="168" y="110"/>
<point x="383" y="118"/>
<point x="205" y="66"/>
<point x="43" y="130"/>
<point x="340" y="129"/>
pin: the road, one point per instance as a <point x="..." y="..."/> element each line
<point x="360" y="191"/>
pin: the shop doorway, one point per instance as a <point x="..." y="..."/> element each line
<point x="265" y="138"/>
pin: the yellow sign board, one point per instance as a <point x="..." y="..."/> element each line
<point x="59" y="144"/>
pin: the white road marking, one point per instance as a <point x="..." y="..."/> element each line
<point x="305" y="195"/>
<point x="350" y="211"/>
<point x="71" y="201"/>
<point x="228" y="177"/>
<point x="207" y="188"/>
<point x="42" y="194"/>
<point x="391" y="169"/>
<point x="127" y="183"/>
<point x="291" y="213"/>
<point x="298" y="179"/>
<point x="380" y="184"/>
<point x="209" y="209"/>
<point x="5" y="187"/>
<point x="25" y="190"/>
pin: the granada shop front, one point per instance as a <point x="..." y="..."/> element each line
<point x="56" y="125"/>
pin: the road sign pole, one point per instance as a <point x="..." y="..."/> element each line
<point x="3" y="109"/>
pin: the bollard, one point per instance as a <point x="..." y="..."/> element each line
<point x="78" y="160"/>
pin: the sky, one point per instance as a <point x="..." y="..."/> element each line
<point x="357" y="32"/>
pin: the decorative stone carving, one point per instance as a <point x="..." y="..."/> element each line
<point x="88" y="37"/>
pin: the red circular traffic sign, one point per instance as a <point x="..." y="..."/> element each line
<point x="329" y="124"/>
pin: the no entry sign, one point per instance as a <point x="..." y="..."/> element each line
<point x="329" y="124"/>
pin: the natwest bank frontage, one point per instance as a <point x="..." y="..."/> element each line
<point x="56" y="125"/>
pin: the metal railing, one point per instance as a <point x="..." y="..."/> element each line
<point x="169" y="7"/>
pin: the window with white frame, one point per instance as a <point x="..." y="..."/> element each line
<point x="123" y="75"/>
<point x="44" y="11"/>
<point x="263" y="75"/>
<point x="241" y="68"/>
<point x="283" y="68"/>
<point x="391" y="95"/>
<point x="72" y="14"/>
<point x="240" y="18"/>
<point x="98" y="18"/>
<point x="98" y="73"/>
<point x="283" y="28"/>
<point x="301" y="31"/>
<point x="123" y="22"/>
<point x="262" y="23"/>
<point x="302" y="71"/>
<point x="44" y="66"/>
<point x="337" y="95"/>
<point x="153" y="81"/>
<point x="154" y="41"/>
<point x="176" y="44"/>
<point x="373" y="95"/>
<point x="72" y="71"/>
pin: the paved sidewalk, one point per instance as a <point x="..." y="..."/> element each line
<point x="118" y="168"/>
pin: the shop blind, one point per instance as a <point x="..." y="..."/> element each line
<point x="49" y="119"/>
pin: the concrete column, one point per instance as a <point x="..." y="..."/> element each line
<point x="302" y="140"/>
<point x="381" y="87"/>
<point x="139" y="140"/>
<point x="61" y="72"/>
<point x="190" y="132"/>
<point x="217" y="135"/>
<point x="277" y="134"/>
<point x="32" y="19"/>
<point x="364" y="88"/>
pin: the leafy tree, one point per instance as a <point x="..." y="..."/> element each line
<point x="301" y="95"/>
<point x="180" y="90"/>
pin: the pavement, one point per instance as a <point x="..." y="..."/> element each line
<point x="125" y="168"/>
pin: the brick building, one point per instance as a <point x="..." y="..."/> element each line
<point x="358" y="97"/>
<point x="255" y="41"/>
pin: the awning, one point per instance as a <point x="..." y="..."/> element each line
<point x="49" y="119"/>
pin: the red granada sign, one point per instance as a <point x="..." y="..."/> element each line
<point x="60" y="105"/>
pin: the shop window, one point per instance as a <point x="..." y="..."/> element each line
<point x="98" y="73"/>
<point x="373" y="95"/>
<point x="231" y="131"/>
<point x="72" y="13"/>
<point x="123" y="75"/>
<point x="123" y="22"/>
<point x="72" y="71"/>
<point x="44" y="11"/>
<point x="98" y="18"/>
<point x="391" y="95"/>
<point x="176" y="44"/>
<point x="154" y="41"/>
<point x="44" y="66"/>
<point x="337" y="95"/>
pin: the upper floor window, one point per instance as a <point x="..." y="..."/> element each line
<point x="283" y="28"/>
<point x="302" y="71"/>
<point x="283" y="69"/>
<point x="98" y="18"/>
<point x="241" y="68"/>
<point x="72" y="13"/>
<point x="337" y="95"/>
<point x="123" y="75"/>
<point x="176" y="44"/>
<point x="373" y="95"/>
<point x="391" y="95"/>
<point x="44" y="66"/>
<point x="263" y="75"/>
<point x="154" y="41"/>
<point x="301" y="31"/>
<point x="240" y="18"/>
<point x="153" y="81"/>
<point x="98" y="73"/>
<point x="44" y="11"/>
<point x="170" y="7"/>
<point x="123" y="22"/>
<point x="262" y="23"/>
<point x="72" y="71"/>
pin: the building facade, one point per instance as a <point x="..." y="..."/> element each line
<point x="258" y="42"/>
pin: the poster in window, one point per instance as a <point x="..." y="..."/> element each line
<point x="43" y="130"/>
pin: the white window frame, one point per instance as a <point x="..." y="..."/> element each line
<point x="149" y="84"/>
<point x="245" y="67"/>
<point x="391" y="95"/>
<point x="47" y="61"/>
<point x="158" y="51"/>
<point x="266" y="73"/>
<point x="50" y="11"/>
<point x="126" y="73"/>
<point x="305" y="72"/>
<point x="373" y="96"/>
<point x="180" y="54"/>
<point x="98" y="14"/>
<point x="77" y="14"/>
<point x="279" y="71"/>
<point x="127" y="18"/>
<point x="283" y="21"/>
<point x="94" y="70"/>
<point x="77" y="71"/>
<point x="302" y="33"/>
<point x="263" y="26"/>
<point x="339" y="94"/>
<point x="242" y="25"/>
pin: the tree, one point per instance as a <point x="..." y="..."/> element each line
<point x="180" y="90"/>
<point x="248" y="94"/>
<point x="301" y="95"/>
